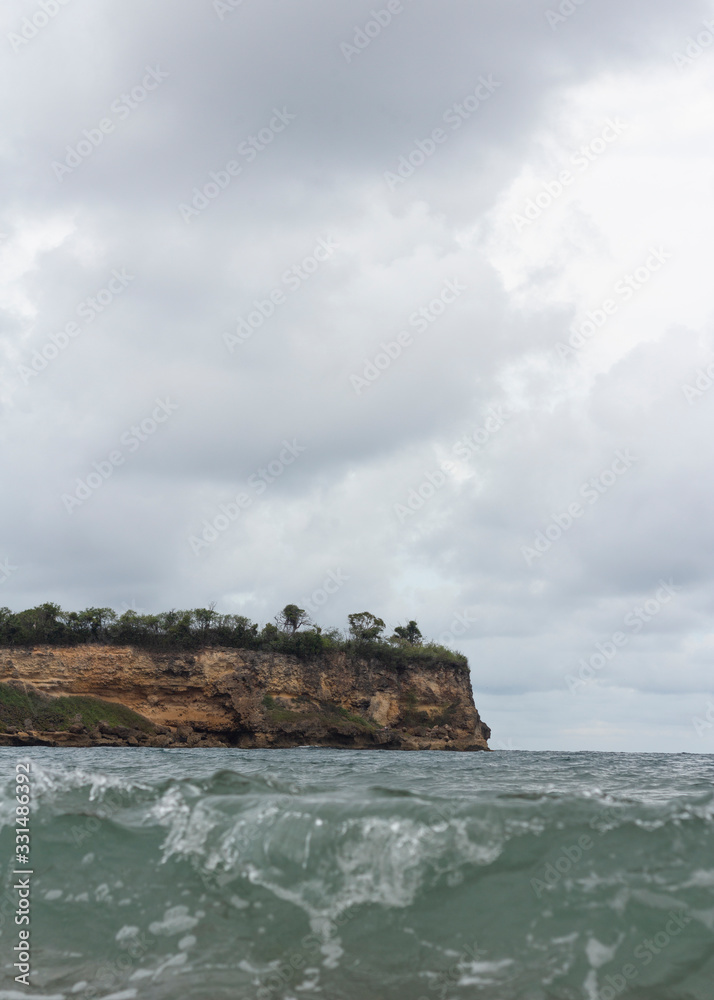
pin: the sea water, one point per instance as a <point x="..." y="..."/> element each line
<point x="362" y="875"/>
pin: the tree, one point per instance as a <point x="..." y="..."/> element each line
<point x="271" y="637"/>
<point x="365" y="627"/>
<point x="97" y="621"/>
<point x="291" y="618"/>
<point x="174" y="626"/>
<point x="41" y="624"/>
<point x="308" y="643"/>
<point x="408" y="633"/>
<point x="204" y="619"/>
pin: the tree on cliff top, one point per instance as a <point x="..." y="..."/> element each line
<point x="409" y="633"/>
<point x="365" y="627"/>
<point x="91" y="623"/>
<point x="205" y="618"/>
<point x="291" y="618"/>
<point x="204" y="627"/>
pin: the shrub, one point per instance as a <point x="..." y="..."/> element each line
<point x="17" y="707"/>
<point x="47" y="624"/>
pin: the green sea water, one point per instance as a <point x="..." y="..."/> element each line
<point x="361" y="875"/>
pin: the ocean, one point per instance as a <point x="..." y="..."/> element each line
<point x="360" y="875"/>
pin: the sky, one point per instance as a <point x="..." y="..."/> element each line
<point x="393" y="306"/>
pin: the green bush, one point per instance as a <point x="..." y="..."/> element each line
<point x="49" y="625"/>
<point x="58" y="714"/>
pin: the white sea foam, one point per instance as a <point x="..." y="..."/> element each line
<point x="176" y="921"/>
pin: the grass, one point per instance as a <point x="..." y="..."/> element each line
<point x="356" y="720"/>
<point x="277" y="713"/>
<point x="49" y="714"/>
<point x="430" y="654"/>
<point x="326" y="712"/>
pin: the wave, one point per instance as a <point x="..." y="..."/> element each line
<point x="280" y="876"/>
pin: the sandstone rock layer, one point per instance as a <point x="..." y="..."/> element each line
<point x="247" y="698"/>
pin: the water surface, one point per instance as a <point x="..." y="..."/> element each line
<point x="365" y="875"/>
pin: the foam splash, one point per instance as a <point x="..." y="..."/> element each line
<point x="281" y="875"/>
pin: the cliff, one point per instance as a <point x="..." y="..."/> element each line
<point x="244" y="698"/>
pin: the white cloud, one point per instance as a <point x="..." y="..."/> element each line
<point x="494" y="346"/>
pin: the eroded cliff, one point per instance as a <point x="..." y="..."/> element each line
<point x="246" y="698"/>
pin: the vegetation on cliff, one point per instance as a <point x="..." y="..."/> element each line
<point x="292" y="632"/>
<point x="24" y="707"/>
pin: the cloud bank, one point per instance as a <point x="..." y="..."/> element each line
<point x="411" y="297"/>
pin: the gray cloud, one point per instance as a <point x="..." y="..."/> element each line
<point x="69" y="395"/>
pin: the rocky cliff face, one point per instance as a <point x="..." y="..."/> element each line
<point x="245" y="698"/>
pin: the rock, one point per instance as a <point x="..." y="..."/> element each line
<point x="120" y="732"/>
<point x="252" y="698"/>
<point x="162" y="740"/>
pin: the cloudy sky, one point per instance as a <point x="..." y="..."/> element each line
<point x="401" y="307"/>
